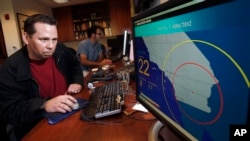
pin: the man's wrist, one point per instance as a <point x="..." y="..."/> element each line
<point x="43" y="105"/>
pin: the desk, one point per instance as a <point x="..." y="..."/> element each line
<point x="113" y="128"/>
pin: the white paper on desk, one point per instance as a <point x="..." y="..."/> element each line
<point x="139" y="107"/>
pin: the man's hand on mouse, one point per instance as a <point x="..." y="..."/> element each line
<point x="62" y="104"/>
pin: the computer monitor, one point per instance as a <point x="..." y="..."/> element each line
<point x="116" y="46"/>
<point x="126" y="43"/>
<point x="192" y="66"/>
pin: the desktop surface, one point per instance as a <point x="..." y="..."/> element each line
<point x="112" y="128"/>
<point x="115" y="128"/>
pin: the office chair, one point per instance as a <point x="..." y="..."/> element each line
<point x="73" y="51"/>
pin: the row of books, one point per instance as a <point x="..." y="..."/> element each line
<point x="85" y="25"/>
<point x="83" y="34"/>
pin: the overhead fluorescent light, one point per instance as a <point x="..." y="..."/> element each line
<point x="60" y="1"/>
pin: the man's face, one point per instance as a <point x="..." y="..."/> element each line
<point x="42" y="43"/>
<point x="98" y="34"/>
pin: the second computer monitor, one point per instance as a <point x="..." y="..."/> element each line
<point x="126" y="43"/>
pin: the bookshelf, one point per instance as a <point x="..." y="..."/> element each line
<point x="86" y="15"/>
<point x="113" y="15"/>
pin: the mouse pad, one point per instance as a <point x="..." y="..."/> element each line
<point x="55" y="117"/>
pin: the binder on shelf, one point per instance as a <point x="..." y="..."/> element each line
<point x="107" y="31"/>
<point x="110" y="32"/>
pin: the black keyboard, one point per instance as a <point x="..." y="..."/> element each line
<point x="104" y="101"/>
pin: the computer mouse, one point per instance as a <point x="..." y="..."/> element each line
<point x="75" y="106"/>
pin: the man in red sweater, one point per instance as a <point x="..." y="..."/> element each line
<point x="39" y="78"/>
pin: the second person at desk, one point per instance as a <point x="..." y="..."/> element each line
<point x="90" y="51"/>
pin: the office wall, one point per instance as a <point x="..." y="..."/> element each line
<point x="10" y="27"/>
<point x="30" y="7"/>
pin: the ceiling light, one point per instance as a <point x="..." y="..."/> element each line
<point x="60" y="1"/>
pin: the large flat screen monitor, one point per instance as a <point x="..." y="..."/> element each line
<point x="192" y="66"/>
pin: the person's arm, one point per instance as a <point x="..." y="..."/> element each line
<point x="85" y="61"/>
<point x="19" y="103"/>
<point x="100" y="62"/>
<point x="61" y="103"/>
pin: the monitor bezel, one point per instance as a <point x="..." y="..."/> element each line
<point x="171" y="4"/>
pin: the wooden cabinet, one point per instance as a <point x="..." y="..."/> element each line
<point x="120" y="16"/>
<point x="113" y="15"/>
<point x="64" y="23"/>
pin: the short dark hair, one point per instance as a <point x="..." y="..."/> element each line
<point x="42" y="18"/>
<point x="93" y="29"/>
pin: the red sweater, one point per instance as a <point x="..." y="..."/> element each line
<point x="51" y="82"/>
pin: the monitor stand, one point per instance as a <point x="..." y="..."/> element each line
<point x="154" y="131"/>
<point x="160" y="132"/>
